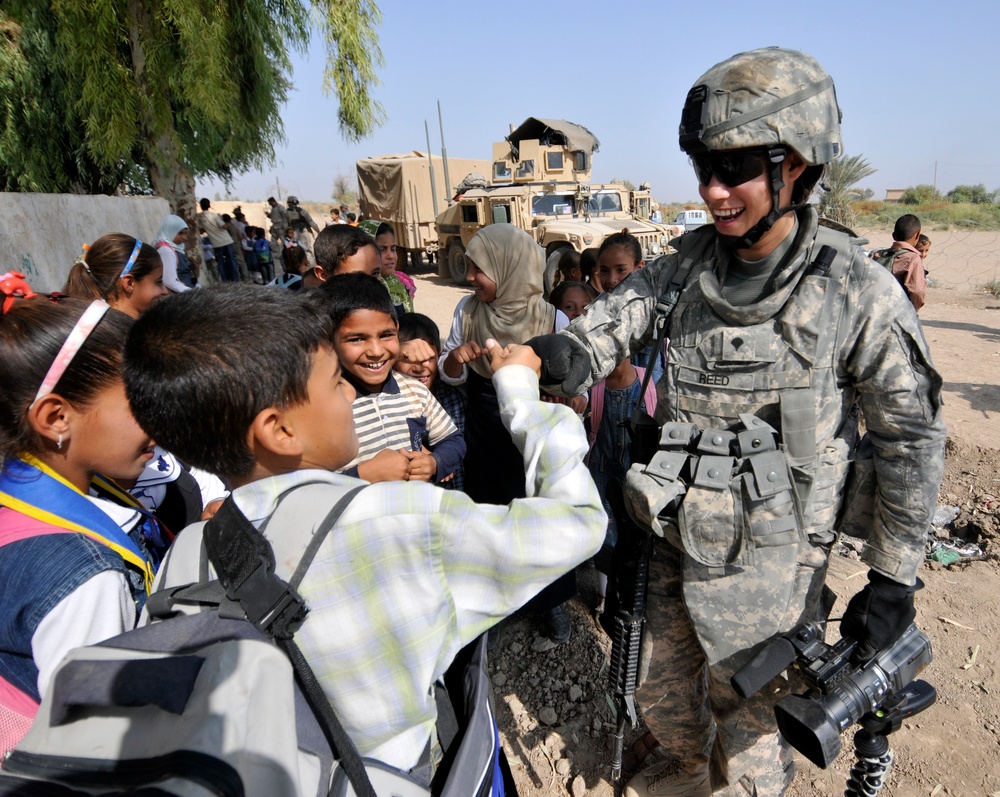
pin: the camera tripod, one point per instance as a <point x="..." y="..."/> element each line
<point x="873" y="757"/>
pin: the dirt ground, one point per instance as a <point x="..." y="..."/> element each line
<point x="554" y="713"/>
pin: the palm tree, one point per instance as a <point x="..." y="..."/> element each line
<point x="840" y="176"/>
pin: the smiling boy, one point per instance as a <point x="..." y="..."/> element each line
<point x="410" y="573"/>
<point x="404" y="433"/>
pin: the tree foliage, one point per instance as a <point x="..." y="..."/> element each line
<point x="167" y="87"/>
<point x="922" y="194"/>
<point x="838" y="183"/>
<point x="344" y="189"/>
<point x="971" y="194"/>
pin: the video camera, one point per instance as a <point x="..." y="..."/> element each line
<point x="880" y="693"/>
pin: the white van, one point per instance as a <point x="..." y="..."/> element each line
<point x="688" y="220"/>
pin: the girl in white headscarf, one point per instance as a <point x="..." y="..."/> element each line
<point x="178" y="276"/>
<point x="505" y="268"/>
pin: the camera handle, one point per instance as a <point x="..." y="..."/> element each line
<point x="873" y="757"/>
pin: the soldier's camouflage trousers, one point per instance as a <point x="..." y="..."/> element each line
<point x="691" y="708"/>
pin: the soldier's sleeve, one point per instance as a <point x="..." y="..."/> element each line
<point x="900" y="394"/>
<point x="616" y="325"/>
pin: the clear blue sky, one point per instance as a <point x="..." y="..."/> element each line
<point x="918" y="83"/>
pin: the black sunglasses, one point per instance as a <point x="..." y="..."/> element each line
<point x="733" y="168"/>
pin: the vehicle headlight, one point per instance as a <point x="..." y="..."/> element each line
<point x="655" y="248"/>
<point x="663" y="241"/>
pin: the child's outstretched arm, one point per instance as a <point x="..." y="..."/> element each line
<point x="497" y="557"/>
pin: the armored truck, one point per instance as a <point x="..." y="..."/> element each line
<point x="540" y="181"/>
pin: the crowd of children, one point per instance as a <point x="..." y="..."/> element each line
<point x="355" y="386"/>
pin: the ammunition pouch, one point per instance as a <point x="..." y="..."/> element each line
<point x="717" y="495"/>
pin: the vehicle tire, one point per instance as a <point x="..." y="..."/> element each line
<point x="456" y="262"/>
<point x="416" y="259"/>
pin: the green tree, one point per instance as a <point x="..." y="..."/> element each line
<point x="838" y="183"/>
<point x="970" y="194"/>
<point x="167" y="90"/>
<point x="922" y="194"/>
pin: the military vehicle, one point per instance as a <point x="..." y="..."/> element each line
<point x="402" y="190"/>
<point x="540" y="181"/>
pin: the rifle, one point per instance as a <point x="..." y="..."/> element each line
<point x="627" y="596"/>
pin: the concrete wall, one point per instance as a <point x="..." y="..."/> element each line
<point x="41" y="235"/>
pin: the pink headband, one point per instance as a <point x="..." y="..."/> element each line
<point x="74" y="342"/>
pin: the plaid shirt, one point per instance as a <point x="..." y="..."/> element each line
<point x="412" y="573"/>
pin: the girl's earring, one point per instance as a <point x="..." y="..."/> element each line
<point x="59" y="442"/>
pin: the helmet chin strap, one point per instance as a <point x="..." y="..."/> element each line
<point x="759" y="230"/>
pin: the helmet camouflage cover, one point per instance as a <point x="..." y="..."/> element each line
<point x="764" y="98"/>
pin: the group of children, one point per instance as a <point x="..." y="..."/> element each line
<point x="353" y="386"/>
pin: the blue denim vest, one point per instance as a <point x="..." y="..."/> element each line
<point x="37" y="573"/>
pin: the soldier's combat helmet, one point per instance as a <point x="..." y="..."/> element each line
<point x="293" y="200"/>
<point x="773" y="100"/>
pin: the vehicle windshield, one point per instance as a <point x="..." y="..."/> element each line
<point x="606" y="202"/>
<point x="552" y="205"/>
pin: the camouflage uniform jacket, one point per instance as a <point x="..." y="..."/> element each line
<point x="727" y="360"/>
<point x="279" y="219"/>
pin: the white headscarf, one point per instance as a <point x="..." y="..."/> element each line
<point x="168" y="230"/>
<point x="511" y="258"/>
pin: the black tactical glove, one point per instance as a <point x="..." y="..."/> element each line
<point x="877" y="615"/>
<point x="565" y="363"/>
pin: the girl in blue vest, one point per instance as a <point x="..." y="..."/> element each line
<point x="74" y="568"/>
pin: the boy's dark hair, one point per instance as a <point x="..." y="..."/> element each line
<point x="383" y="228"/>
<point x="923" y="240"/>
<point x="195" y="385"/>
<point x="560" y="291"/>
<point x="226" y="218"/>
<point x="97" y="275"/>
<point x="417" y="326"/>
<point x="569" y="260"/>
<point x="32" y="332"/>
<point x="204" y="203"/>
<point x="338" y="242"/>
<point x="345" y="293"/>
<point x="906" y="227"/>
<point x="626" y="241"/>
<point x="293" y="259"/>
<point x="351" y="217"/>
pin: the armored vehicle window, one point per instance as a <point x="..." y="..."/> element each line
<point x="501" y="214"/>
<point x="526" y="168"/>
<point x="501" y="171"/>
<point x="469" y="214"/>
<point x="552" y="205"/>
<point x="606" y="202"/>
<point x="554" y="161"/>
<point x="580" y="161"/>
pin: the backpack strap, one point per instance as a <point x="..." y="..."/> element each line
<point x="244" y="561"/>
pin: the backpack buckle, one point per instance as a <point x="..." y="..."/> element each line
<point x="269" y="603"/>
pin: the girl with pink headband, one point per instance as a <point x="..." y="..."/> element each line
<point x="75" y="569"/>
